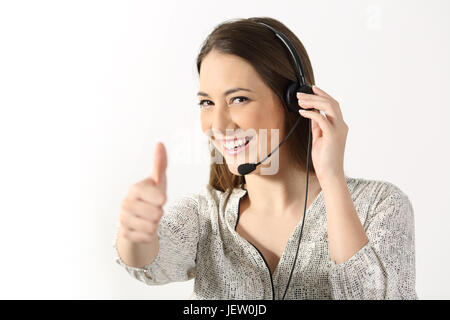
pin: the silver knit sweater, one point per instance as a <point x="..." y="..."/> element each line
<point x="198" y="239"/>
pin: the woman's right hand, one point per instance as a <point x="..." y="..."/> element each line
<point x="141" y="209"/>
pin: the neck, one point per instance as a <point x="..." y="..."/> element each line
<point x="281" y="193"/>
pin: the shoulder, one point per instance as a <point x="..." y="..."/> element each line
<point x="375" y="190"/>
<point x="181" y="210"/>
<point x="380" y="196"/>
<point x="188" y="201"/>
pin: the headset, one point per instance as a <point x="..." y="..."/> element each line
<point x="290" y="102"/>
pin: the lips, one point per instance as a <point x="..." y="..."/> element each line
<point x="236" y="147"/>
<point x="236" y="143"/>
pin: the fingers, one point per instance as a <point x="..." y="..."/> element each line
<point x="322" y="101"/>
<point x="159" y="166"/>
<point x="147" y="191"/>
<point x="319" y="103"/>
<point x="137" y="236"/>
<point x="322" y="93"/>
<point x="317" y="117"/>
<point x="143" y="210"/>
<point x="142" y="207"/>
<point x="133" y="222"/>
<point x="315" y="129"/>
<point x="139" y="221"/>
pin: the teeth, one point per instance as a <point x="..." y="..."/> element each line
<point x="233" y="144"/>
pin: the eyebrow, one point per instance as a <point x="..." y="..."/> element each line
<point x="229" y="91"/>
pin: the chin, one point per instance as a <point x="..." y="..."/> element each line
<point x="233" y="162"/>
<point x="233" y="168"/>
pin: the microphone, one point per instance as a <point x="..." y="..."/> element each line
<point x="246" y="168"/>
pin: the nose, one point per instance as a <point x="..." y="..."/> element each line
<point x="222" y="121"/>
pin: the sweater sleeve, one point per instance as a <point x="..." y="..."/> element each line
<point x="385" y="267"/>
<point x="178" y="232"/>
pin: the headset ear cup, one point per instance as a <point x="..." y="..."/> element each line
<point x="306" y="89"/>
<point x="291" y="97"/>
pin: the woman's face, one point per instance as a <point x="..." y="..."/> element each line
<point x="242" y="113"/>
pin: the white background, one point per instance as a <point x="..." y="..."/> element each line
<point x="87" y="88"/>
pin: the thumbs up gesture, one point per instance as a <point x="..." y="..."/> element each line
<point x="141" y="209"/>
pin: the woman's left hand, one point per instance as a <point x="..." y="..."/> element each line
<point x="329" y="133"/>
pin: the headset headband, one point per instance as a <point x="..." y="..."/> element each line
<point x="293" y="52"/>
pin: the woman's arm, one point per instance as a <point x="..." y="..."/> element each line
<point x="383" y="267"/>
<point x="346" y="235"/>
<point x="172" y="257"/>
<point x="137" y="255"/>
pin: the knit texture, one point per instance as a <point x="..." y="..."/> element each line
<point x="198" y="239"/>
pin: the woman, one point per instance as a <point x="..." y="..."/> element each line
<point x="238" y="239"/>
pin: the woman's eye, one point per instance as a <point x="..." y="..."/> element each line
<point x="201" y="103"/>
<point x="240" y="98"/>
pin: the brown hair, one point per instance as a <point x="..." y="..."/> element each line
<point x="258" y="45"/>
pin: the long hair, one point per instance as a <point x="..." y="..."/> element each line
<point x="259" y="46"/>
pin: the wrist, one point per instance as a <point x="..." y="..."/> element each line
<point x="332" y="181"/>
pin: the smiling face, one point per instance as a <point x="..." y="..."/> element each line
<point x="236" y="103"/>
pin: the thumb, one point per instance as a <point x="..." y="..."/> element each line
<point x="159" y="166"/>
<point x="315" y="129"/>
